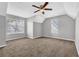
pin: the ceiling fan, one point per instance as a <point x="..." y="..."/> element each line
<point x="42" y="8"/>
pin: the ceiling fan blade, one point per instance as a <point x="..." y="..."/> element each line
<point x="35" y="6"/>
<point x="36" y="11"/>
<point x="45" y="4"/>
<point x="47" y="9"/>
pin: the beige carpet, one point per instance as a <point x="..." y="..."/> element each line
<point x="44" y="47"/>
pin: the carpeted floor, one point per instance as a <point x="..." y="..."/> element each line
<point x="40" y="47"/>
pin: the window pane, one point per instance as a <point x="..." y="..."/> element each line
<point x="15" y="26"/>
<point x="20" y="26"/>
<point x="54" y="26"/>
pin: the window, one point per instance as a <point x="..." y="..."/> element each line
<point x="54" y="26"/>
<point x="15" y="26"/>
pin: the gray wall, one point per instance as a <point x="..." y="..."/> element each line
<point x="34" y="29"/>
<point x="2" y="30"/>
<point x="3" y="9"/>
<point x="46" y="28"/>
<point x="37" y="29"/>
<point x="25" y="25"/>
<point x="66" y="28"/>
<point x="77" y="33"/>
<point x="29" y="29"/>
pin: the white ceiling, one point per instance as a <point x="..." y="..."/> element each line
<point x="25" y="9"/>
<point x="72" y="9"/>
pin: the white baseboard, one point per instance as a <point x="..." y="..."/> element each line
<point x="53" y="37"/>
<point x="61" y="38"/>
<point x="13" y="38"/>
<point x="2" y="46"/>
<point x="65" y="39"/>
<point x="36" y="37"/>
<point x="33" y="37"/>
<point x="30" y="37"/>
